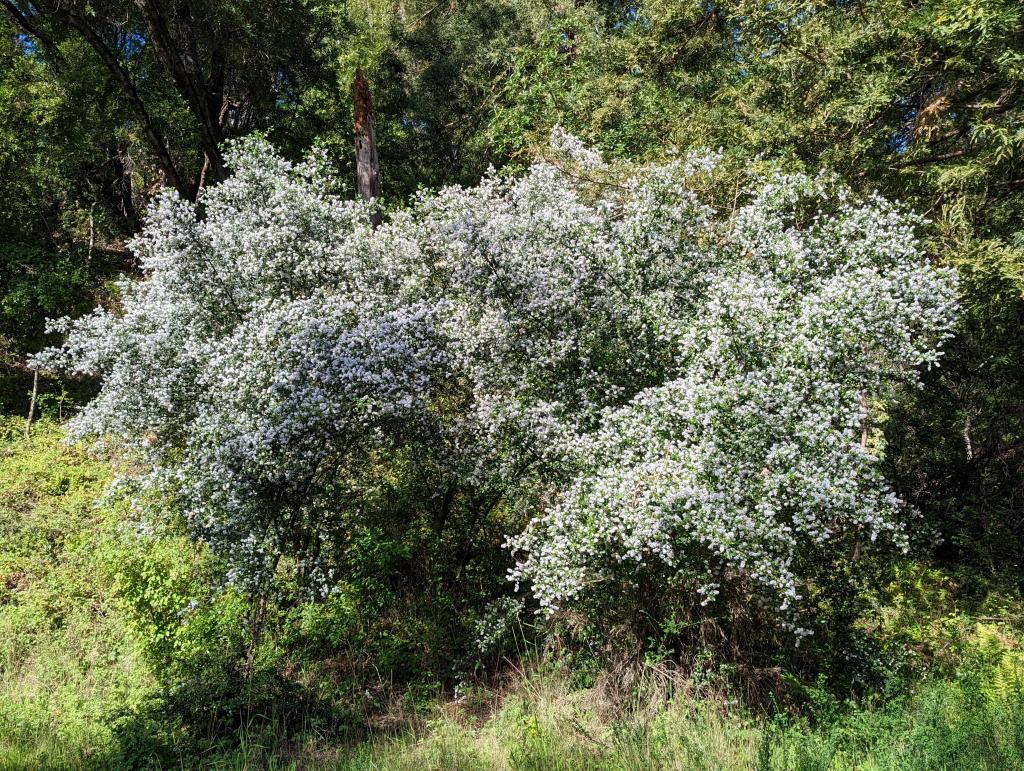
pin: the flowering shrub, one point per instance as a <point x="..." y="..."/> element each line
<point x="646" y="380"/>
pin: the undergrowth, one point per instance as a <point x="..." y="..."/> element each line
<point x="118" y="651"/>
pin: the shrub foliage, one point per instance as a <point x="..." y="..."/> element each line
<point x="626" y="376"/>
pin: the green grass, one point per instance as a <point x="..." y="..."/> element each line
<point x="68" y="659"/>
<point x="89" y="615"/>
<point x="542" y="724"/>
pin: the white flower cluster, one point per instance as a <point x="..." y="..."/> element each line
<point x="748" y="451"/>
<point x="656" y="382"/>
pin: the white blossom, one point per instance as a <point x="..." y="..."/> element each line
<point x="654" y="382"/>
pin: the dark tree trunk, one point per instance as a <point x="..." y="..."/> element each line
<point x="62" y="13"/>
<point x="179" y="55"/>
<point x="367" y="163"/>
<point x="123" y="189"/>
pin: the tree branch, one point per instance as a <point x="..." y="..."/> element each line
<point x="26" y="24"/>
<point x="179" y="58"/>
<point x="123" y="78"/>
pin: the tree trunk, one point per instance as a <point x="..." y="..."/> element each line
<point x="178" y="53"/>
<point x="32" y="404"/>
<point x="367" y="163"/>
<point x="117" y="70"/>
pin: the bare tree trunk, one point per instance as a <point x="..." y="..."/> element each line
<point x="32" y="404"/>
<point x="367" y="163"/>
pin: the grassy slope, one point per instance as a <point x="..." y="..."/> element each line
<point x="68" y="659"/>
<point x="72" y="673"/>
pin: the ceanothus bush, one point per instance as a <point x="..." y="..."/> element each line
<point x="652" y="381"/>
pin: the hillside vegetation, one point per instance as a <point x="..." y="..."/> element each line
<point x="83" y="593"/>
<point x="655" y="399"/>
